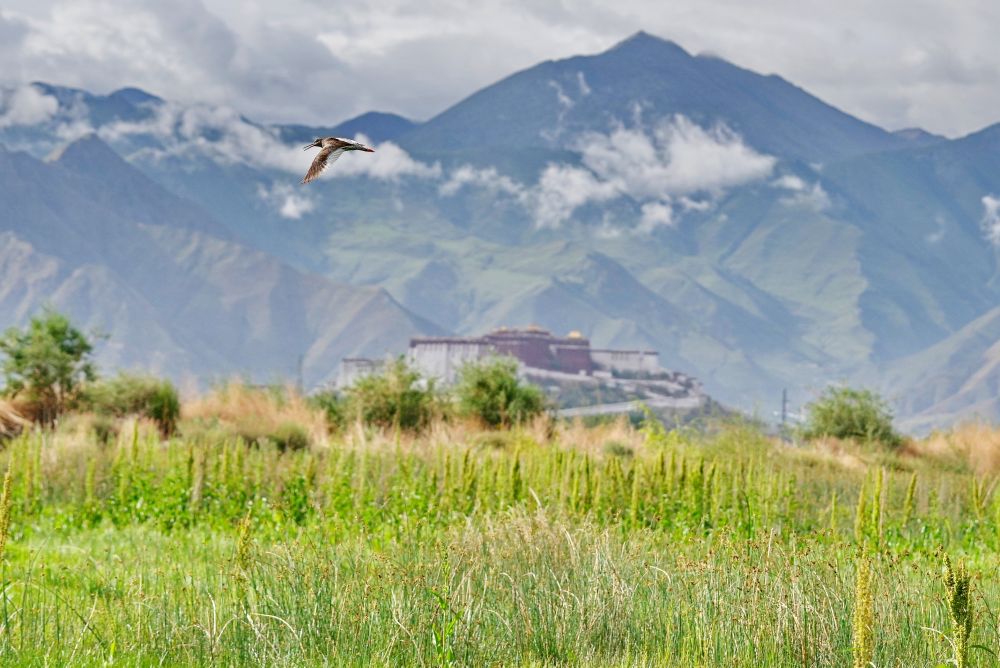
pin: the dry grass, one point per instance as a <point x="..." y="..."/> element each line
<point x="832" y="453"/>
<point x="974" y="444"/>
<point x="254" y="412"/>
<point x="11" y="420"/>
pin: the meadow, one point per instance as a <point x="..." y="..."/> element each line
<point x="551" y="544"/>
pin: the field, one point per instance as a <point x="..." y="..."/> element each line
<point x="552" y="545"/>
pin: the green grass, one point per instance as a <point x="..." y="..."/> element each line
<point x="443" y="550"/>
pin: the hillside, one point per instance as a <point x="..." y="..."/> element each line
<point x="92" y="236"/>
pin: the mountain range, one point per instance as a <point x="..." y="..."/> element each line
<point x="756" y="236"/>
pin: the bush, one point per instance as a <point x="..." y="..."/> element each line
<point x="491" y="392"/>
<point x="290" y="436"/>
<point x="394" y="398"/>
<point x="847" y="413"/>
<point x="331" y="404"/>
<point x="128" y="394"/>
<point x="104" y="428"/>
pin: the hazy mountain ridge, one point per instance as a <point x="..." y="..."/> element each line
<point x="757" y="236"/>
<point x="177" y="299"/>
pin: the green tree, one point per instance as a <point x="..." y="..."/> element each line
<point x="843" y="412"/>
<point x="492" y="392"/>
<point x="394" y="398"/>
<point x="46" y="363"/>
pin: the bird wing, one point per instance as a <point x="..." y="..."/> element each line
<point x="326" y="157"/>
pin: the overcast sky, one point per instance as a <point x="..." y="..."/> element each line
<point x="897" y="63"/>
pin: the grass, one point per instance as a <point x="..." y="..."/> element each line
<point x="552" y="545"/>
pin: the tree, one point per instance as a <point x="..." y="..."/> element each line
<point x="46" y="363"/>
<point x="492" y="392"/>
<point x="843" y="412"/>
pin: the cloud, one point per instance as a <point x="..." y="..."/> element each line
<point x="562" y="189"/>
<point x="302" y="61"/>
<point x="487" y="179"/>
<point x="805" y="196"/>
<point x="937" y="235"/>
<point x="26" y="105"/>
<point x="655" y="214"/>
<point x="289" y="201"/>
<point x="677" y="158"/>
<point x="990" y="221"/>
<point x="389" y="162"/>
<point x="225" y="136"/>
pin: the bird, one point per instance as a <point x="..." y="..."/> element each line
<point x="331" y="148"/>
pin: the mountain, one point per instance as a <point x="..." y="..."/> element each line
<point x="758" y="237"/>
<point x="918" y="136"/>
<point x="377" y="126"/>
<point x="91" y="235"/>
<point x="957" y="378"/>
<point x="645" y="78"/>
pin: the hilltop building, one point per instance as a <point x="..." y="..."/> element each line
<point x="565" y="366"/>
<point x="535" y="348"/>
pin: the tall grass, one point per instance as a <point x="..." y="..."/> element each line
<point x="552" y="544"/>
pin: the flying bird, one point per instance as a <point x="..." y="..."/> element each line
<point x="331" y="148"/>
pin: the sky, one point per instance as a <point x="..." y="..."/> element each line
<point x="897" y="63"/>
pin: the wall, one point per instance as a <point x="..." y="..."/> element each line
<point x="630" y="361"/>
<point x="353" y="368"/>
<point x="442" y="358"/>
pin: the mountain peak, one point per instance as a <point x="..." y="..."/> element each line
<point x="134" y="96"/>
<point x="643" y="41"/>
<point x="88" y="152"/>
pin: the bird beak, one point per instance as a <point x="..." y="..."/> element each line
<point x="308" y="146"/>
<point x="368" y="149"/>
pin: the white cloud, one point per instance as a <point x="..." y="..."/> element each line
<point x="689" y="204"/>
<point x="388" y="163"/>
<point x="562" y="189"/>
<point x="990" y="221"/>
<point x="937" y="235"/>
<point x="655" y="214"/>
<point x="225" y="136"/>
<point x="581" y="81"/>
<point x="926" y="64"/>
<point x="26" y="105"/>
<point x="289" y="201"/>
<point x="789" y="182"/>
<point x="805" y="196"/>
<point x="678" y="158"/>
<point x="564" y="100"/>
<point x="488" y="179"/>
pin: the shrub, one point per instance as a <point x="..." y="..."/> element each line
<point x="861" y="415"/>
<point x="395" y="398"/>
<point x="104" y="429"/>
<point x="331" y="404"/>
<point x="618" y="449"/>
<point x="290" y="436"/>
<point x="492" y="393"/>
<point x="128" y="394"/>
